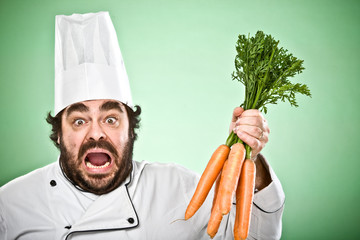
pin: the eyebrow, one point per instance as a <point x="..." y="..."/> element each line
<point x="77" y="107"/>
<point x="109" y="105"/>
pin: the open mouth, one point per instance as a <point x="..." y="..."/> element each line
<point x="97" y="160"/>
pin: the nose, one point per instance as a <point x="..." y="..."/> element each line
<point x="96" y="132"/>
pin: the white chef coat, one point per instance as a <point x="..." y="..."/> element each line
<point x="150" y="204"/>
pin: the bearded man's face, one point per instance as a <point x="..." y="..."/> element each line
<point x="95" y="145"/>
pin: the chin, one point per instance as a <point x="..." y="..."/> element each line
<point x="98" y="183"/>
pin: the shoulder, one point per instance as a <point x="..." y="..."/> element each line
<point x="28" y="184"/>
<point x="166" y="176"/>
<point x="155" y="167"/>
<point x="156" y="170"/>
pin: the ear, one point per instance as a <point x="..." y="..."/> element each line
<point x="131" y="133"/>
<point x="58" y="140"/>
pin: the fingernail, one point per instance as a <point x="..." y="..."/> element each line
<point x="235" y="129"/>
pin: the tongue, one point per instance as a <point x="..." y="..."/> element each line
<point x="97" y="159"/>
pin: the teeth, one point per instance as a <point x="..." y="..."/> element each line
<point x="88" y="164"/>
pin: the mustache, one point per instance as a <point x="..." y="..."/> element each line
<point x="98" y="144"/>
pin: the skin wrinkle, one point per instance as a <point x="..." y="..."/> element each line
<point x="72" y="160"/>
<point x="77" y="107"/>
<point x="70" y="170"/>
<point x="111" y="105"/>
<point x="56" y="122"/>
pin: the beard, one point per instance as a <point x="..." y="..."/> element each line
<point x="97" y="183"/>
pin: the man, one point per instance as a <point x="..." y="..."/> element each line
<point x="95" y="190"/>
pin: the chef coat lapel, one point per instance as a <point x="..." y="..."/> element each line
<point x="111" y="211"/>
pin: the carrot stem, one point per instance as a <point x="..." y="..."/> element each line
<point x="248" y="151"/>
<point x="233" y="138"/>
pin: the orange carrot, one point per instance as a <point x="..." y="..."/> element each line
<point x="217" y="185"/>
<point x="244" y="198"/>
<point x="215" y="218"/>
<point x="216" y="189"/>
<point x="230" y="176"/>
<point x="207" y="179"/>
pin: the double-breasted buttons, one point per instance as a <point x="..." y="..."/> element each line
<point x="53" y="183"/>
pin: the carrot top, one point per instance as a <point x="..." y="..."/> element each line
<point x="265" y="69"/>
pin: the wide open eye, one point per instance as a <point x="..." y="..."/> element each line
<point x="79" y="122"/>
<point x="110" y="120"/>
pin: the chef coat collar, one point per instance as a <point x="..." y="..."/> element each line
<point x="113" y="211"/>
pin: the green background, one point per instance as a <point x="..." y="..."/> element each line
<point x="179" y="57"/>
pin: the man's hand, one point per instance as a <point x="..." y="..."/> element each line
<point x="252" y="128"/>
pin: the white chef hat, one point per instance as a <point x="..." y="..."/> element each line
<point x="88" y="61"/>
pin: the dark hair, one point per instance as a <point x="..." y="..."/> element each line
<point x="55" y="122"/>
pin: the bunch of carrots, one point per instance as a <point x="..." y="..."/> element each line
<point x="264" y="69"/>
<point x="225" y="167"/>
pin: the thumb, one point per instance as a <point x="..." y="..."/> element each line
<point x="236" y="113"/>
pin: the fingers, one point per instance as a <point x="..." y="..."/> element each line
<point x="253" y="131"/>
<point x="236" y="114"/>
<point x="253" y="118"/>
<point x="255" y="144"/>
<point x="252" y="128"/>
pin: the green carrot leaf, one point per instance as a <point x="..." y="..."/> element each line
<point x="265" y="69"/>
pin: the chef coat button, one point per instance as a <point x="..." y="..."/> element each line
<point x="131" y="220"/>
<point x="53" y="183"/>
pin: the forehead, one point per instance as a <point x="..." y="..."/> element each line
<point x="102" y="105"/>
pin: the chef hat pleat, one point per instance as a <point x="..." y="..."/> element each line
<point x="88" y="61"/>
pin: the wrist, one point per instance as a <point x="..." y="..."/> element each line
<point x="263" y="178"/>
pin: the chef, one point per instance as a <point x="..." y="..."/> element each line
<point x="95" y="190"/>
